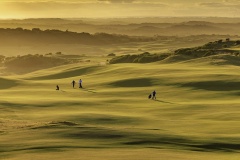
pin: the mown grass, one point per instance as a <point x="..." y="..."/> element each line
<point x="195" y="115"/>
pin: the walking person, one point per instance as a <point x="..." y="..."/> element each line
<point x="80" y="83"/>
<point x="154" y="94"/>
<point x="73" y="83"/>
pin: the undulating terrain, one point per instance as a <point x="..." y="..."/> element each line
<point x="194" y="117"/>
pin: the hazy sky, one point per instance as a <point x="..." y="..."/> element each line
<point x="117" y="8"/>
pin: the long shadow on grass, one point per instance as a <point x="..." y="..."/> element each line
<point x="109" y="137"/>
<point x="213" y="85"/>
<point x="186" y="144"/>
<point x="151" y="140"/>
<point x="163" y="101"/>
<point x="148" y="140"/>
<point x="45" y="148"/>
<point x="90" y="90"/>
<point x="135" y="82"/>
<point x="66" y="74"/>
<point x="63" y="104"/>
<point x="6" y="83"/>
<point x="112" y="137"/>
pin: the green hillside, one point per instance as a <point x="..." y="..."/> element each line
<point x="218" y="48"/>
<point x="195" y="115"/>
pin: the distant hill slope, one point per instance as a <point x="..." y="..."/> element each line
<point x="134" y="27"/>
<point x="141" y="58"/>
<point x="36" y="36"/>
<point x="30" y="63"/>
<point x="219" y="47"/>
<point x="211" y="48"/>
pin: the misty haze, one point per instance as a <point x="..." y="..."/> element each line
<point x="119" y="79"/>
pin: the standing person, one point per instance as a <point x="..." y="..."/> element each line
<point x="80" y="83"/>
<point x="154" y="94"/>
<point x="73" y="83"/>
<point x="57" y="87"/>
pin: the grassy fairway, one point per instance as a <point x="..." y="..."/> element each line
<point x="195" y="116"/>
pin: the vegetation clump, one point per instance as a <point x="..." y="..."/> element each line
<point x="29" y="62"/>
<point x="111" y="55"/>
<point x="218" y="47"/>
<point x="20" y="36"/>
<point x="209" y="49"/>
<point x="32" y="62"/>
<point x="145" y="57"/>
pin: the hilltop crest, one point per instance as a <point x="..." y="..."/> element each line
<point x="215" y="48"/>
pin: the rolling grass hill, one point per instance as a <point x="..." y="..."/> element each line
<point x="195" y="116"/>
<point x="29" y="63"/>
<point x="218" y="49"/>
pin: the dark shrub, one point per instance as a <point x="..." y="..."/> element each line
<point x="111" y="55"/>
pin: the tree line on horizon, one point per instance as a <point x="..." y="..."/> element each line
<point x="20" y="36"/>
